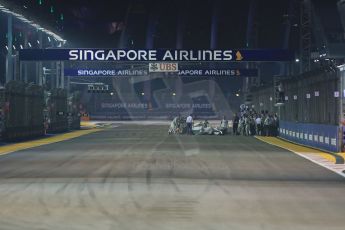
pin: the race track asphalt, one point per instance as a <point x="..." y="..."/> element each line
<point x="138" y="177"/>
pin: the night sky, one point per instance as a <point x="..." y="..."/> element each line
<point x="91" y="20"/>
<point x="98" y="23"/>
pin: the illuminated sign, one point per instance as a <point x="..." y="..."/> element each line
<point x="181" y="72"/>
<point x="149" y="55"/>
<point x="216" y="72"/>
<point x="159" y="55"/>
<point x="160" y="67"/>
<point x="105" y="72"/>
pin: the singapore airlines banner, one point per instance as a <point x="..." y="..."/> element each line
<point x="180" y="72"/>
<point x="156" y="55"/>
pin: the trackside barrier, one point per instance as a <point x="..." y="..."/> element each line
<point x="343" y="136"/>
<point x="325" y="137"/>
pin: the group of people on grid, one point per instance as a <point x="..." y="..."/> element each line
<point x="249" y="123"/>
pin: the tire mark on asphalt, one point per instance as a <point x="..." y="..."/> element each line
<point x="217" y="183"/>
<point x="171" y="163"/>
<point x="81" y="200"/>
<point x="62" y="188"/>
<point x="12" y="192"/>
<point x="148" y="160"/>
<point x="148" y="178"/>
<point x="174" y="184"/>
<point x="131" y="167"/>
<point x="41" y="198"/>
<point x="104" y="210"/>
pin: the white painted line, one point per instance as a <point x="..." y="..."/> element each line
<point x="327" y="166"/>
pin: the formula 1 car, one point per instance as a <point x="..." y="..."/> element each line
<point x="204" y="128"/>
<point x="178" y="126"/>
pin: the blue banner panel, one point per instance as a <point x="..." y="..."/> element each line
<point x="170" y="55"/>
<point x="182" y="72"/>
<point x="105" y="72"/>
<point x="324" y="137"/>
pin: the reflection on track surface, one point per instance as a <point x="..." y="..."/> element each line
<point x="138" y="177"/>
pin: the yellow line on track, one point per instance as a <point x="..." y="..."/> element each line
<point x="6" y="149"/>
<point x="297" y="148"/>
<point x="87" y="124"/>
<point x="342" y="155"/>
